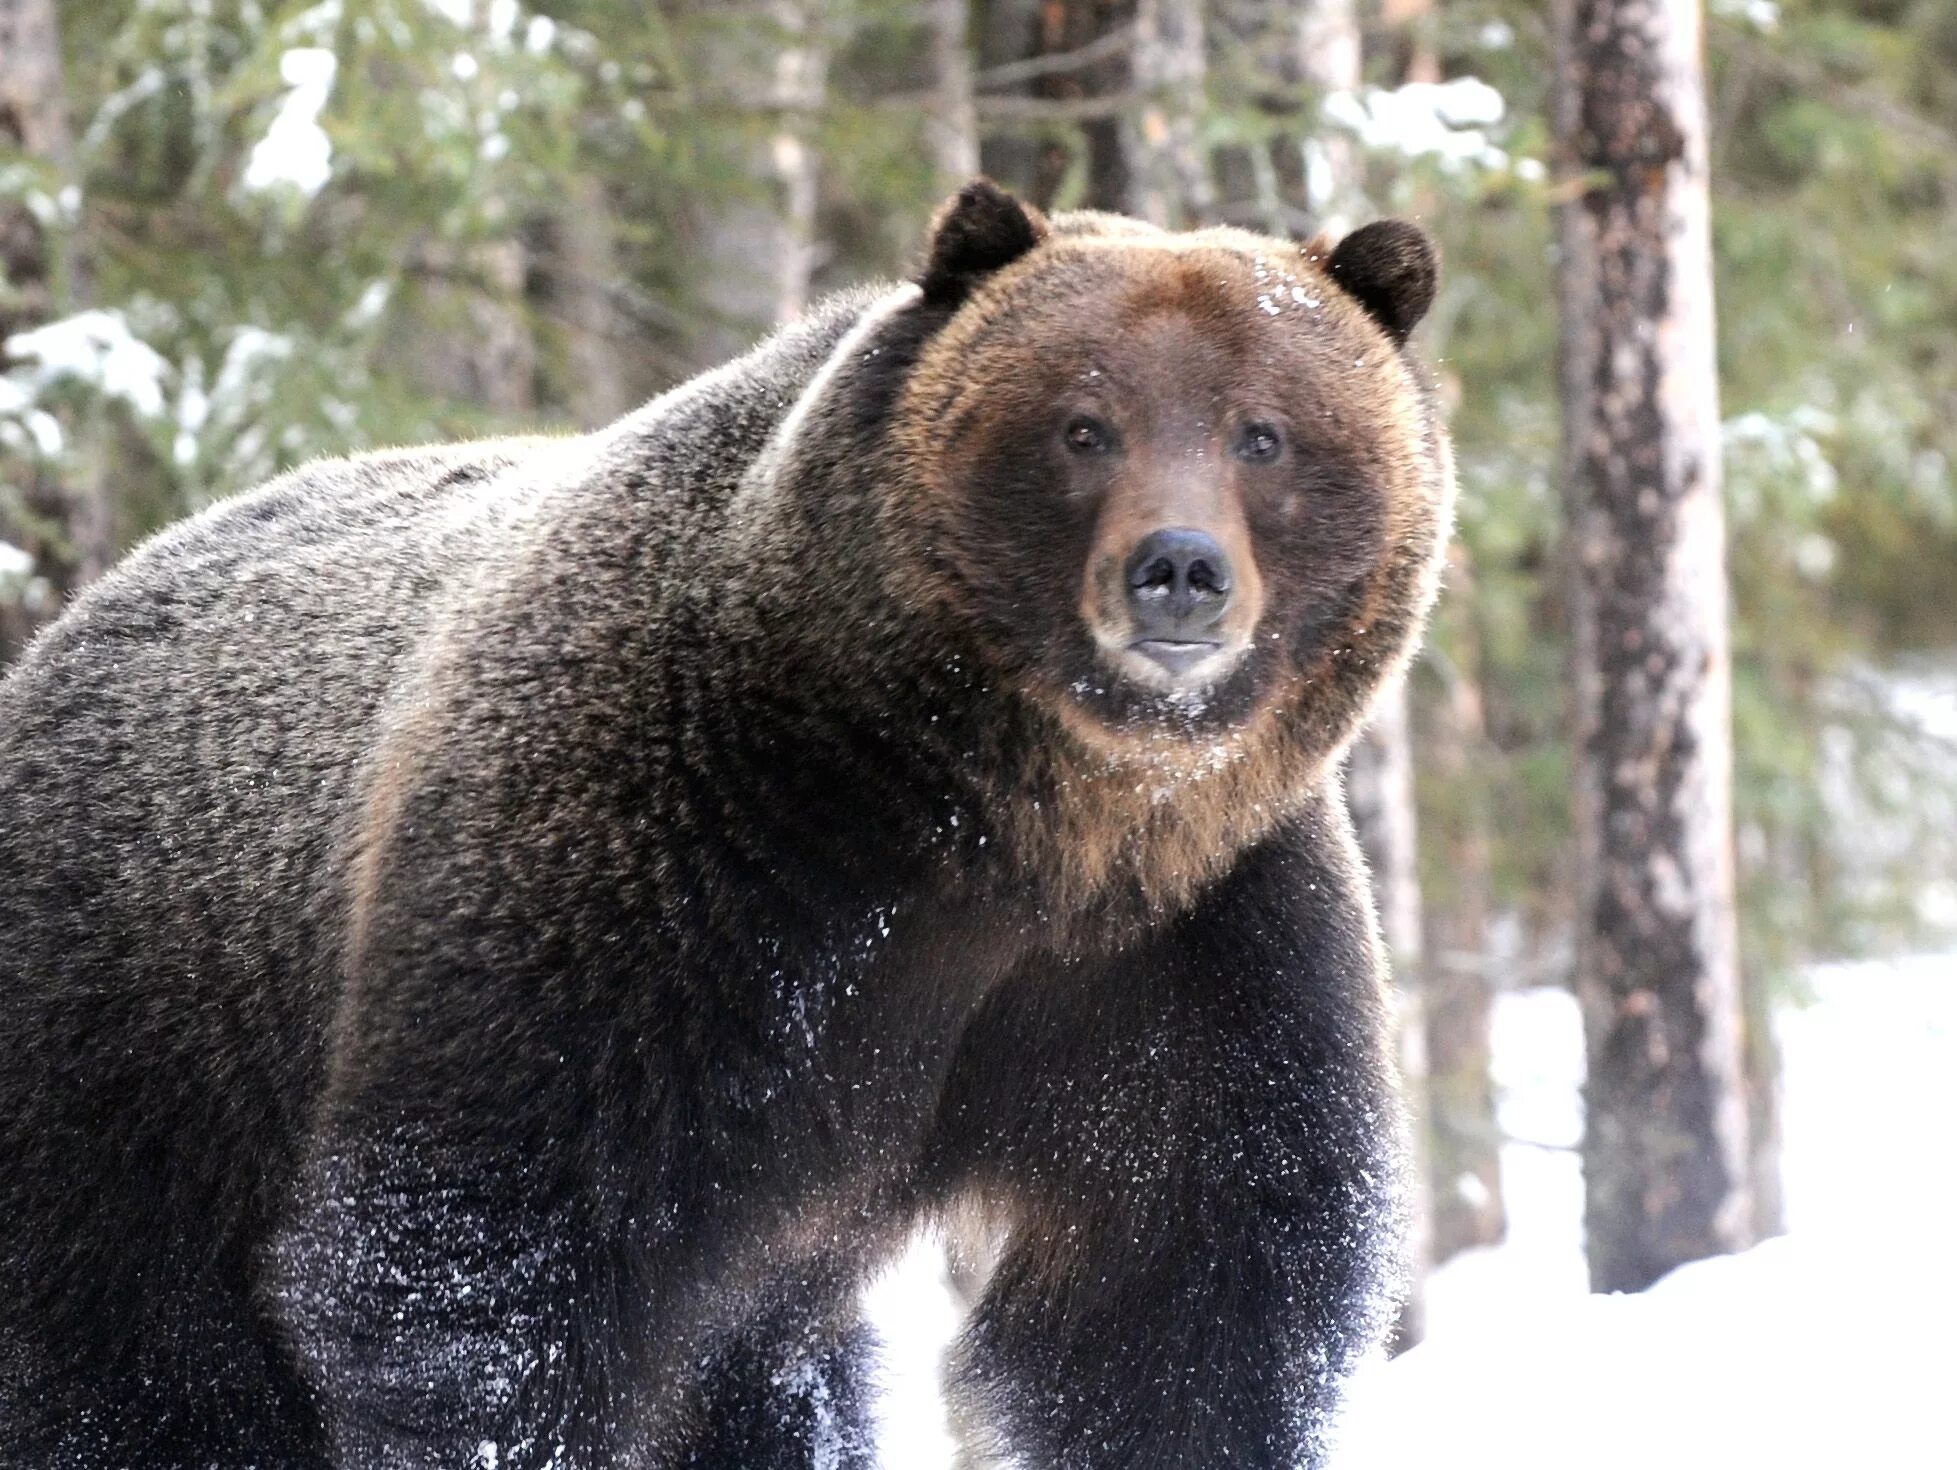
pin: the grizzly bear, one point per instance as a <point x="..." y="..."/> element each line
<point x="497" y="942"/>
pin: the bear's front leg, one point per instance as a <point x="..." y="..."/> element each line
<point x="791" y="1388"/>
<point x="457" y="1307"/>
<point x="1196" y="1148"/>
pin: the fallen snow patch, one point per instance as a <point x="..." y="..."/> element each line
<point x="1825" y="1348"/>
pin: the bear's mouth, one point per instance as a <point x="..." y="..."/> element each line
<point x="1176" y="666"/>
<point x="1176" y="656"/>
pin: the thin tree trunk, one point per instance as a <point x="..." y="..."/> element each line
<point x="1168" y="169"/>
<point x="1463" y="1135"/>
<point x="1011" y="32"/>
<point x="953" y="124"/>
<point x="758" y="253"/>
<point x="1665" y="1153"/>
<point x="1067" y="26"/>
<point x="501" y="350"/>
<point x="801" y="81"/>
<point x="1380" y="795"/>
<point x="1763" y="1131"/>
<point x="584" y="267"/>
<point x="65" y="526"/>
<point x="1411" y="25"/>
<point x="33" y="121"/>
<point x="1379" y="775"/>
<point x="1326" y="166"/>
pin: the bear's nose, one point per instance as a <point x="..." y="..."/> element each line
<point x="1178" y="590"/>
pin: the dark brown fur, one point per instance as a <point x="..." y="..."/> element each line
<point x="501" y="941"/>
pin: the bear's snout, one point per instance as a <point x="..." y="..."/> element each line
<point x="1179" y="586"/>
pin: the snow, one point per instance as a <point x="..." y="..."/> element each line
<point x="917" y="1316"/>
<point x="1762" y="15"/>
<point x="94" y="347"/>
<point x="295" y="151"/>
<point x="1823" y="1348"/>
<point x="1826" y="1348"/>
<point x="1442" y="120"/>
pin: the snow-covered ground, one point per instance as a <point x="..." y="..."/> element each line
<point x="1830" y="1347"/>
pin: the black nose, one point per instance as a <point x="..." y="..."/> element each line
<point x="1178" y="585"/>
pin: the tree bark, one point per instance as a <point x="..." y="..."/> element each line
<point x="1763" y="1132"/>
<point x="1066" y="26"/>
<point x="1379" y="774"/>
<point x="953" y="124"/>
<point x="759" y="253"/>
<point x="1009" y="34"/>
<point x="1380" y="796"/>
<point x="1168" y="170"/>
<point x="1665" y="1152"/>
<point x="1463" y="1133"/>
<point x="584" y="266"/>
<point x="801" y="82"/>
<point x="59" y="515"/>
<point x="1410" y="25"/>
<point x="1326" y="167"/>
<point x="33" y="121"/>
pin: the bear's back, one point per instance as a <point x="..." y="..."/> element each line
<point x="183" y="758"/>
<point x="174" y="758"/>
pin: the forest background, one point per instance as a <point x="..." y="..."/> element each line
<point x="239" y="234"/>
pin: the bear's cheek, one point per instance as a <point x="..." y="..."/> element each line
<point x="1015" y="537"/>
<point x="1318" y="546"/>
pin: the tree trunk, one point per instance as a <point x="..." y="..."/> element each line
<point x="1064" y="27"/>
<point x="801" y="81"/>
<point x="1380" y="795"/>
<point x="1011" y="32"/>
<point x="1665" y="1152"/>
<point x="583" y="268"/>
<point x="1168" y="170"/>
<point x="60" y="515"/>
<point x="1325" y="168"/>
<point x="1463" y="1134"/>
<point x="1379" y="774"/>
<point x="1409" y="24"/>
<point x="33" y="121"/>
<point x="501" y="350"/>
<point x="1763" y="1111"/>
<point x="759" y="253"/>
<point x="953" y="124"/>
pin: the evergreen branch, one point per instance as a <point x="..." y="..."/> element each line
<point x="1847" y="96"/>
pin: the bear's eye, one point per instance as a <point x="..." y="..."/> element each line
<point x="1088" y="436"/>
<point x="1258" y="443"/>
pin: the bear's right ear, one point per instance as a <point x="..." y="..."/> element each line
<point x="974" y="234"/>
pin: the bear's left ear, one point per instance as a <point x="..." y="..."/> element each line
<point x="1390" y="267"/>
<point x="977" y="232"/>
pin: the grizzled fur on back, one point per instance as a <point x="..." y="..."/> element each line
<point x="500" y="941"/>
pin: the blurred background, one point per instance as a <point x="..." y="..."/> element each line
<point x="239" y="234"/>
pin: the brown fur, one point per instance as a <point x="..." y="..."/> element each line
<point x="502" y="941"/>
<point x="1148" y="809"/>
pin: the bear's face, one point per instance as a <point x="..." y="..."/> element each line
<point x="1164" y="474"/>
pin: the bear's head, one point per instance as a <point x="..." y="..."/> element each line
<point x="1178" y="486"/>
